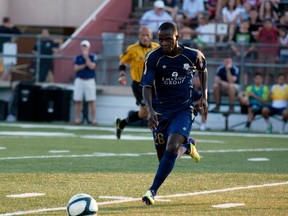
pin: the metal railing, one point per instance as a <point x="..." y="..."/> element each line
<point x="108" y="59"/>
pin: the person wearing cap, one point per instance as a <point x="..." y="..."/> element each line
<point x="156" y="16"/>
<point x="84" y="84"/>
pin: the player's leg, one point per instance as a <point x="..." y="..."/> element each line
<point x="284" y="118"/>
<point x="90" y="96"/>
<point x="189" y="148"/>
<point x="78" y="98"/>
<point x="172" y="132"/>
<point x="266" y="112"/>
<point x="134" y="116"/>
<point x="165" y="166"/>
<point x="78" y="108"/>
<point x="216" y="93"/>
<point x="185" y="120"/>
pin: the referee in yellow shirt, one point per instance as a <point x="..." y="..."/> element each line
<point x="135" y="57"/>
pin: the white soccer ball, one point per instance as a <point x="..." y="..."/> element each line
<point x="82" y="205"/>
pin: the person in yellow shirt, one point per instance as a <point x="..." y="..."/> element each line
<point x="279" y="105"/>
<point x="135" y="57"/>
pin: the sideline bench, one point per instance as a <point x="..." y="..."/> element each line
<point x="226" y="114"/>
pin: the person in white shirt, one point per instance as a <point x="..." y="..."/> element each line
<point x="191" y="9"/>
<point x="231" y="14"/>
<point x="155" y="17"/>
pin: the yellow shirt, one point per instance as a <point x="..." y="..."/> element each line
<point x="279" y="96"/>
<point x="135" y="56"/>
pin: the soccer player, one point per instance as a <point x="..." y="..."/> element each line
<point x="167" y="92"/>
<point x="135" y="56"/>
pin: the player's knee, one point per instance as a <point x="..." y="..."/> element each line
<point x="143" y="114"/>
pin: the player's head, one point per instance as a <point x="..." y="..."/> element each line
<point x="85" y="45"/>
<point x="281" y="78"/>
<point x="258" y="79"/>
<point x="168" y="37"/>
<point x="145" y="36"/>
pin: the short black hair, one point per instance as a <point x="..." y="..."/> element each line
<point x="168" y="26"/>
<point x="281" y="74"/>
<point x="258" y="74"/>
<point x="6" y="19"/>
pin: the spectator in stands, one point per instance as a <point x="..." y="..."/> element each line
<point x="276" y="7"/>
<point x="267" y="11"/>
<point x="268" y="49"/>
<point x="44" y="46"/>
<point x="226" y="81"/>
<point x="171" y="6"/>
<point x="84" y="84"/>
<point x="254" y="22"/>
<point x="190" y="11"/>
<point x="245" y="13"/>
<point x="203" y="33"/>
<point x="210" y="6"/>
<point x="186" y="35"/>
<point x="243" y="46"/>
<point x="155" y="17"/>
<point x="279" y="106"/>
<point x="283" y="42"/>
<point x="231" y="14"/>
<point x="7" y="27"/>
<point x="253" y="3"/>
<point x="256" y="97"/>
<point x="283" y="21"/>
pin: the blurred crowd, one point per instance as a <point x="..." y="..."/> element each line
<point x="247" y="30"/>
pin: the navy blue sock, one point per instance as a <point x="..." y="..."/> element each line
<point x="165" y="167"/>
<point x="187" y="146"/>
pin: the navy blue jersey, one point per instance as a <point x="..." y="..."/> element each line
<point x="197" y="94"/>
<point x="171" y="78"/>
<point x="85" y="73"/>
<point x="221" y="72"/>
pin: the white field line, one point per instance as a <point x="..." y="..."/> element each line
<point x="108" y="154"/>
<point x="139" y="129"/>
<point x="124" y="200"/>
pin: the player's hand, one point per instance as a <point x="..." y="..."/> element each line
<point x="204" y="108"/>
<point x="122" y="80"/>
<point x="85" y="53"/>
<point x="152" y="120"/>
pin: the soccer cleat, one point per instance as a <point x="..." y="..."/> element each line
<point x="118" y="128"/>
<point x="193" y="151"/>
<point x="246" y="129"/>
<point x="148" y="198"/>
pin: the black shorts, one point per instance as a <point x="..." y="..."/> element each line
<point x="137" y="91"/>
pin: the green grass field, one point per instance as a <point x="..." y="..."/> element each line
<point x="59" y="161"/>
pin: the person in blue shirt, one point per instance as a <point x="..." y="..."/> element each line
<point x="84" y="84"/>
<point x="226" y="82"/>
<point x="167" y="91"/>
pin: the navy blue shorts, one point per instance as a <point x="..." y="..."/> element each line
<point x="276" y="111"/>
<point x="180" y="122"/>
<point x="137" y="91"/>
